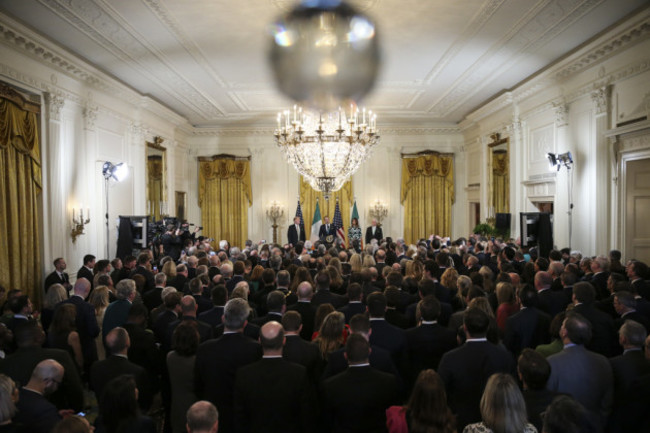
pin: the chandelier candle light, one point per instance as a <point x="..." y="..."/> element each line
<point x="326" y="148"/>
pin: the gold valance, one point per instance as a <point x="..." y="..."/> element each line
<point x="225" y="168"/>
<point x="427" y="165"/>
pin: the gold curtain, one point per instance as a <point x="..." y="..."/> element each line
<point x="308" y="197"/>
<point x="155" y="185"/>
<point x="224" y="197"/>
<point x="500" y="182"/>
<point x="20" y="190"/>
<point x="427" y="195"/>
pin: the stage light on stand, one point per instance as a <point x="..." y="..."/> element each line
<point x="117" y="172"/>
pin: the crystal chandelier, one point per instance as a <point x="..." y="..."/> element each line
<point x="326" y="148"/>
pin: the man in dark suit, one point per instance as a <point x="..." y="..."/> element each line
<point x="143" y="268"/>
<point x="307" y="311"/>
<point x="384" y="334"/>
<point x="323" y="293"/>
<point x="219" y="298"/>
<point x="19" y="365"/>
<point x="118" y="311"/>
<point x="625" y="306"/>
<point x="128" y="265"/>
<point x="22" y="309"/>
<point x="529" y="327"/>
<point x="273" y="394"/>
<point x="355" y="306"/>
<point x="534" y="371"/>
<point x="584" y="374"/>
<point x="637" y="272"/>
<point x="295" y="233"/>
<point x="35" y="413"/>
<point x="326" y="230"/>
<point x="298" y="350"/>
<point x="151" y="299"/>
<point x="188" y="311"/>
<point x="116" y="364"/>
<point x="172" y="309"/>
<point x="276" y="306"/>
<point x="356" y="400"/>
<point x="86" y="271"/>
<point x="58" y="276"/>
<point x="429" y="341"/>
<point x="86" y="322"/>
<point x="465" y="370"/>
<point x="549" y="301"/>
<point x="374" y="232"/>
<point x="143" y="350"/>
<point x="203" y="303"/>
<point x="238" y="269"/>
<point x="603" y="334"/>
<point x="217" y="362"/>
<point x="627" y="369"/>
<point x="600" y="268"/>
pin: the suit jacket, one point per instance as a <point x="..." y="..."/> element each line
<point x="308" y="313"/>
<point x="250" y="330"/>
<point x="205" y="331"/>
<point x="551" y="302"/>
<point x="465" y="372"/>
<point x="599" y="281"/>
<point x="231" y="283"/>
<point x="35" y="412"/>
<point x="536" y="403"/>
<point x="116" y="314"/>
<point x="273" y="395"/>
<point x="379" y="359"/>
<point x="86" y="273"/>
<point x="378" y="234"/>
<point x="356" y="400"/>
<point x="269" y="317"/>
<point x="54" y="278"/>
<point x="392" y="339"/>
<point x="396" y="318"/>
<point x="212" y="316"/>
<point x="203" y="304"/>
<point x="351" y="309"/>
<point x="306" y="354"/>
<point x="586" y="375"/>
<point x="143" y="350"/>
<point x="633" y="315"/>
<point x="161" y="324"/>
<point x="426" y="344"/>
<point x="152" y="298"/>
<point x="642" y="288"/>
<point x="20" y="365"/>
<point x="627" y="368"/>
<point x="293" y="237"/>
<point x="323" y="232"/>
<point x="103" y="371"/>
<point x="216" y="365"/>
<point x="325" y="296"/>
<point x="603" y="335"/>
<point x="87" y="327"/>
<point x="527" y="328"/>
<point x="148" y="275"/>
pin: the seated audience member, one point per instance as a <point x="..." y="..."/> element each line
<point x="426" y="409"/>
<point x="180" y="366"/>
<point x="534" y="371"/>
<point x="73" y="424"/>
<point x="202" y="417"/>
<point x="357" y="399"/>
<point x="566" y="415"/>
<point x="503" y="408"/>
<point x="8" y="397"/>
<point x="117" y="363"/>
<point x="118" y="408"/>
<point x="35" y="413"/>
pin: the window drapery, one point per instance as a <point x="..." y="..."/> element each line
<point x="427" y="193"/>
<point x="20" y="190"/>
<point x="308" y="197"/>
<point x="224" y="197"/>
<point x="500" y="182"/>
<point x="155" y="184"/>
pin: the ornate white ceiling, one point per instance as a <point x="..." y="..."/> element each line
<point x="206" y="59"/>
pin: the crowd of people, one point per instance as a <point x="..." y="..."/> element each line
<point x="473" y="335"/>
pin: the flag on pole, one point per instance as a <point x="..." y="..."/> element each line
<point x="299" y="214"/>
<point x="338" y="223"/>
<point x="316" y="223"/>
<point x="355" y="213"/>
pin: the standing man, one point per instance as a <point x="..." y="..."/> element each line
<point x="58" y="276"/>
<point x="374" y="232"/>
<point x="86" y="271"/>
<point x="326" y="230"/>
<point x="296" y="232"/>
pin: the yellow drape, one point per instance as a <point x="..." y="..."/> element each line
<point x="427" y="195"/>
<point x="308" y="197"/>
<point x="155" y="187"/>
<point x="20" y="189"/>
<point x="500" y="182"/>
<point x="224" y="197"/>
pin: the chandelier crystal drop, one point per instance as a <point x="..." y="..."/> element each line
<point x="326" y="148"/>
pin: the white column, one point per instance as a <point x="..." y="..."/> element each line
<point x="562" y="211"/>
<point x="602" y="182"/>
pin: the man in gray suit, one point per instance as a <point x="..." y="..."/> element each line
<point x="585" y="375"/>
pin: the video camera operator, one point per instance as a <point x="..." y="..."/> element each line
<point x="172" y="242"/>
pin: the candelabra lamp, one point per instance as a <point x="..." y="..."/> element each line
<point x="274" y="213"/>
<point x="78" y="223"/>
<point x="379" y="211"/>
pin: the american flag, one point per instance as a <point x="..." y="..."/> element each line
<point x="338" y="224"/>
<point x="299" y="214"/>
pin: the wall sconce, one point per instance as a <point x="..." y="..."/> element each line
<point x="79" y="223"/>
<point x="379" y="211"/>
<point x="274" y="212"/>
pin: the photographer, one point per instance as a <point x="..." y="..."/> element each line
<point x="172" y="243"/>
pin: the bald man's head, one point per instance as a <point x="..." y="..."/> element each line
<point x="81" y="287"/>
<point x="305" y="291"/>
<point x="272" y="336"/>
<point x="117" y="341"/>
<point x="188" y="305"/>
<point x="202" y="417"/>
<point x="46" y="377"/>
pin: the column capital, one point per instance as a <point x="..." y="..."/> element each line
<point x="561" y="113"/>
<point x="600" y="99"/>
<point x="55" y="102"/>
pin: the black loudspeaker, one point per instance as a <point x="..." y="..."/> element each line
<point x="503" y="221"/>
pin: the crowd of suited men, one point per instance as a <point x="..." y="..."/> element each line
<point x="270" y="338"/>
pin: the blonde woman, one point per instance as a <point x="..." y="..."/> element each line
<point x="55" y="294"/>
<point x="355" y="263"/>
<point x="169" y="269"/>
<point x="503" y="409"/>
<point x="369" y="262"/>
<point x="507" y="305"/>
<point x="331" y="335"/>
<point x="99" y="300"/>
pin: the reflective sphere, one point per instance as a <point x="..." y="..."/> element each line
<point x="324" y="54"/>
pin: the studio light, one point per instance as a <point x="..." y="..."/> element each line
<point x="557" y="161"/>
<point x="115" y="171"/>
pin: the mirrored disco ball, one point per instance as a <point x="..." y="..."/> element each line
<point x="324" y="54"/>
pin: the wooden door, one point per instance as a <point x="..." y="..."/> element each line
<point x="637" y="210"/>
